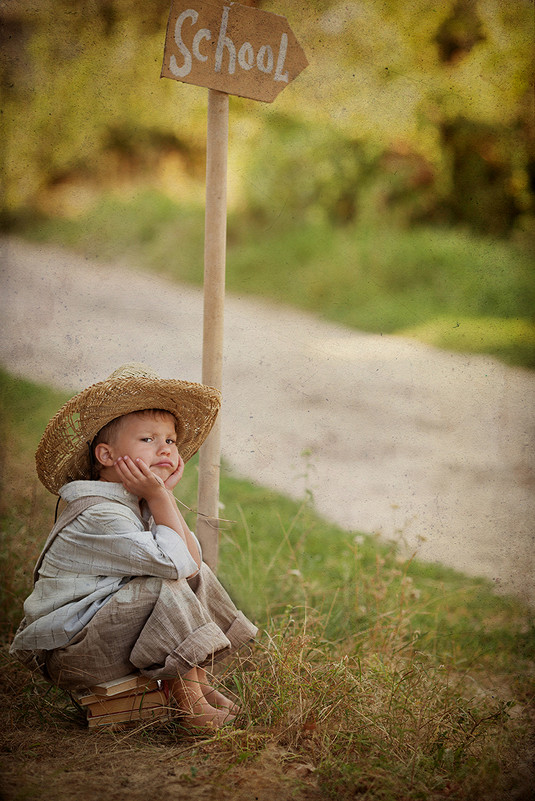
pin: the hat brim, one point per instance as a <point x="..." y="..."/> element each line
<point x="63" y="453"/>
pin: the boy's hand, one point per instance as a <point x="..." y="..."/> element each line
<point x="171" y="482"/>
<point x="138" y="479"/>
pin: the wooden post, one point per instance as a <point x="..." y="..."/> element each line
<point x="214" y="298"/>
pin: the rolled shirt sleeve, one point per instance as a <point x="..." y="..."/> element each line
<point x="110" y="540"/>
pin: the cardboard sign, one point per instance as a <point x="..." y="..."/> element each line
<point x="234" y="49"/>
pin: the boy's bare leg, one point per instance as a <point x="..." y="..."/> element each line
<point x="188" y="692"/>
<point x="213" y="696"/>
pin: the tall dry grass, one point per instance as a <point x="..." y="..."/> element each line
<point x="373" y="676"/>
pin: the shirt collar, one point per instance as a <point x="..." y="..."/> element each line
<point x="105" y="489"/>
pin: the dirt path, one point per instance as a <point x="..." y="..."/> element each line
<point x="400" y="438"/>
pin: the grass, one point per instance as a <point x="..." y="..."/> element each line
<point x="448" y="287"/>
<point x="373" y="677"/>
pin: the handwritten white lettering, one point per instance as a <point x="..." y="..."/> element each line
<point x="181" y="72"/>
<point x="279" y="74"/>
<point x="204" y="33"/>
<point x="264" y="59"/>
<point x="245" y="56"/>
<point x="225" y="41"/>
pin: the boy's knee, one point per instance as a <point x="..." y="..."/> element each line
<point x="137" y="589"/>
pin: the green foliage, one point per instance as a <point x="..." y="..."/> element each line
<point x="81" y="82"/>
<point x="315" y="174"/>
<point x="26" y="509"/>
<point x="489" y="168"/>
<point x="427" y="104"/>
<point x="414" y="81"/>
<point x="379" y="279"/>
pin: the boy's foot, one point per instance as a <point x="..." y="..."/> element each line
<point x="204" y="716"/>
<point x="220" y="701"/>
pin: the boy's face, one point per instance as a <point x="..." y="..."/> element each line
<point x="149" y="437"/>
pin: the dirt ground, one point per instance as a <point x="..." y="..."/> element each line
<point x="47" y="753"/>
<point x="430" y="448"/>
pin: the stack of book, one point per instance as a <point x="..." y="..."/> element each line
<point x="130" y="698"/>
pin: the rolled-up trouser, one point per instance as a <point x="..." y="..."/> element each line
<point x="160" y="627"/>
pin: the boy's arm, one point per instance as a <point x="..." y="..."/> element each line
<point x="138" y="479"/>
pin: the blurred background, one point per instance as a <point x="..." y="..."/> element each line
<point x="390" y="187"/>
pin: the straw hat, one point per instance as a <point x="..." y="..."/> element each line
<point x="64" y="451"/>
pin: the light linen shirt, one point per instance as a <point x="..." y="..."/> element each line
<point x="93" y="557"/>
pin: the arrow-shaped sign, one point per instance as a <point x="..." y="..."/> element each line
<point x="234" y="49"/>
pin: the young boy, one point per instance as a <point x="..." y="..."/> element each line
<point x="120" y="584"/>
